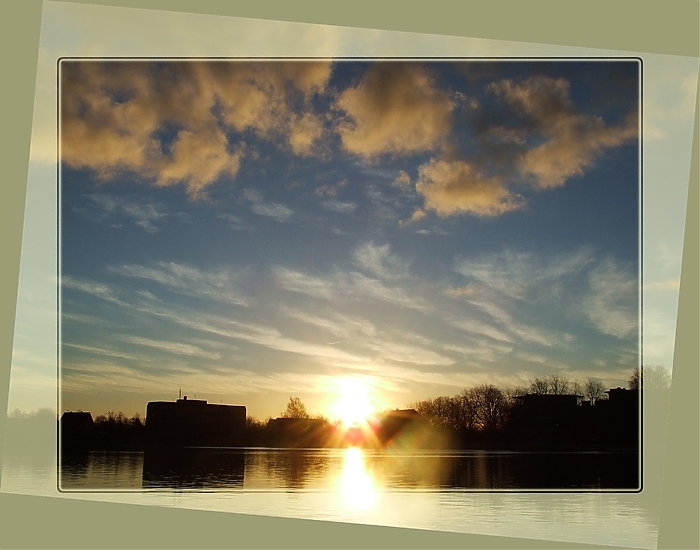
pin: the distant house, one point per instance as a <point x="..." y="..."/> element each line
<point x="547" y="403"/>
<point x="545" y="420"/>
<point x="623" y="397"/>
<point x="76" y="430"/>
<point x="562" y="422"/>
<point x="76" y="420"/>
<point x="194" y="423"/>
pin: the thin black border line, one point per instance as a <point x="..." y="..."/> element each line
<point x="445" y="59"/>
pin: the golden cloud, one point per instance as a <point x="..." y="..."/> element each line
<point x="396" y="109"/>
<point x="403" y="180"/>
<point x="417" y="216"/>
<point x="572" y="140"/>
<point x="114" y="114"/>
<point x="454" y="187"/>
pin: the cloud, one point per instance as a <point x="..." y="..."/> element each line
<point x="330" y="190"/>
<point x="304" y="133"/>
<point x="575" y="284"/>
<point x="341" y="287"/>
<point x="396" y="109"/>
<point x="612" y="301"/>
<point x="143" y="214"/>
<point x="403" y="180"/>
<point x="172" y="347"/>
<point x="98" y="290"/>
<point x="453" y="187"/>
<point x="417" y="216"/>
<point x="572" y="140"/>
<point x="187" y="280"/>
<point x="379" y="261"/>
<point x="276" y="211"/>
<point x="169" y="123"/>
<point x="524" y="275"/>
<point x="338" y="206"/>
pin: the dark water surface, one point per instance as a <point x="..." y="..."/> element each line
<point x="347" y="470"/>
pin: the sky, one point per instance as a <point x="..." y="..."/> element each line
<point x="251" y="231"/>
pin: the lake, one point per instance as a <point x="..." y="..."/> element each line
<point x="450" y="491"/>
<point x="342" y="470"/>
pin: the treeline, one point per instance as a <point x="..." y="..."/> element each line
<point x="109" y="432"/>
<point x="487" y="407"/>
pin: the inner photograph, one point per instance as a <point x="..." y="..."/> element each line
<point x="350" y="276"/>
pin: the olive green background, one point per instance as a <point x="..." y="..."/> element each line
<point x="628" y="25"/>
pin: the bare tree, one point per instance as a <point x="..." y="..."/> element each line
<point x="593" y="390"/>
<point x="634" y="382"/>
<point x="490" y="406"/>
<point x="467" y="409"/>
<point x="558" y="385"/>
<point x="539" y="386"/>
<point x="442" y="411"/>
<point x="295" y="409"/>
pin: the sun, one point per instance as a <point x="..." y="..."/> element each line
<point x="354" y="404"/>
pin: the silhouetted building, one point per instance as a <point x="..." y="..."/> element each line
<point x="194" y="423"/>
<point x="76" y="430"/>
<point x="547" y="403"/>
<point x="622" y="397"/>
<point x="546" y="421"/>
<point x="621" y="414"/>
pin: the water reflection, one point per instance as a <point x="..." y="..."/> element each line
<point x="357" y="474"/>
<point x="357" y="485"/>
<point x="193" y="469"/>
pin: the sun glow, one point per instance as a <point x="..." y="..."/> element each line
<point x="354" y="404"/>
<point x="356" y="483"/>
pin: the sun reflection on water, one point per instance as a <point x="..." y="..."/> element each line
<point x="357" y="486"/>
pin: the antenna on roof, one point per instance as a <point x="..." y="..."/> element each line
<point x="179" y="395"/>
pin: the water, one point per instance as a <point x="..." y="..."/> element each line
<point x="334" y="469"/>
<point x="417" y="490"/>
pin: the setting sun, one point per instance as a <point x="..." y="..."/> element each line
<point x="354" y="404"/>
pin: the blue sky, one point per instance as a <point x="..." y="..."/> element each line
<point x="251" y="231"/>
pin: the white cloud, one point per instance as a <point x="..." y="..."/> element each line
<point x="278" y="212"/>
<point x="188" y="280"/>
<point x="338" y="206"/>
<point x="143" y="214"/>
<point x="611" y="304"/>
<point x="172" y="347"/>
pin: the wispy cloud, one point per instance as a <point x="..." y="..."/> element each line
<point x="606" y="292"/>
<point x="379" y="261"/>
<point x="611" y="303"/>
<point x="99" y="290"/>
<point x="143" y="214"/>
<point x="188" y="280"/>
<point x="278" y="212"/>
<point x="338" y="206"/>
<point x="178" y="348"/>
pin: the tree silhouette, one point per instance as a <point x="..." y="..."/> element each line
<point x="593" y="390"/>
<point x="295" y="409"/>
<point x="490" y="405"/>
<point x="558" y="385"/>
<point x="634" y="381"/>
